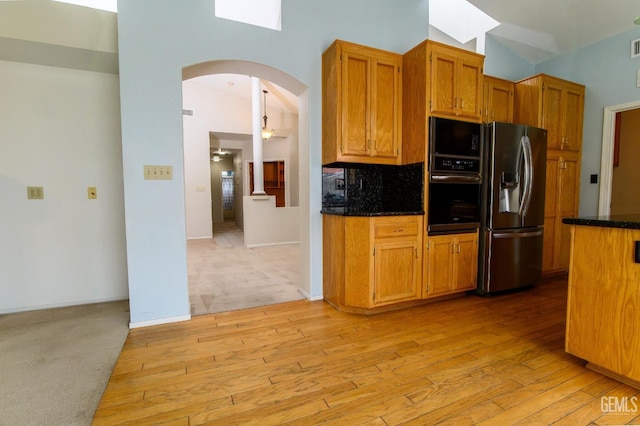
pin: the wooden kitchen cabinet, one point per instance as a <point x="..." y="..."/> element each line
<point x="361" y="105"/>
<point x="603" y="303"/>
<point x="561" y="200"/>
<point x="450" y="264"/>
<point x="455" y="81"/>
<point x="556" y="105"/>
<point x="274" y="183"/>
<point x="553" y="104"/>
<point x="438" y="80"/>
<point x="371" y="262"/>
<point x="498" y="95"/>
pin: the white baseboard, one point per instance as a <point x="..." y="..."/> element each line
<point x="273" y="244"/>
<point x="308" y="297"/>
<point x="169" y="320"/>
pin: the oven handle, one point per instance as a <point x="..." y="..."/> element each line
<point x="455" y="178"/>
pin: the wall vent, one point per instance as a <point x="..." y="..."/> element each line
<point x="186" y="111"/>
<point x="635" y="48"/>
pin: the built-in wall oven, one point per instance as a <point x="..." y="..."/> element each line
<point x="454" y="177"/>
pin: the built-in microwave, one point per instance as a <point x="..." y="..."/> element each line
<point x="454" y="146"/>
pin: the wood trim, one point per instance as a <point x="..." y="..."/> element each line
<point x="616" y="141"/>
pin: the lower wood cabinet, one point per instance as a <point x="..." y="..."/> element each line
<point x="371" y="262"/>
<point x="603" y="303"/>
<point x="450" y="264"/>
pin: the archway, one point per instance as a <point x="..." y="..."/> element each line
<point x="300" y="90"/>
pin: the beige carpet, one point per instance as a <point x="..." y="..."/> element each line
<point x="224" y="275"/>
<point x="55" y="363"/>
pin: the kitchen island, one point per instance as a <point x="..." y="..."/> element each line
<point x="603" y="305"/>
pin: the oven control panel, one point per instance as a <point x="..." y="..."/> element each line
<point x="454" y="164"/>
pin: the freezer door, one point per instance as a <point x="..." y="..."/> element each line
<point x="510" y="259"/>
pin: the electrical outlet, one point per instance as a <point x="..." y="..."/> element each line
<point x="92" y="192"/>
<point x="35" y="192"/>
<point x="158" y="172"/>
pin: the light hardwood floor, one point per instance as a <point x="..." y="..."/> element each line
<point x="470" y="360"/>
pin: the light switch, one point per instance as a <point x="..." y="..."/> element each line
<point x="158" y="172"/>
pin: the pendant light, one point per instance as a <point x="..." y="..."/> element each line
<point x="266" y="133"/>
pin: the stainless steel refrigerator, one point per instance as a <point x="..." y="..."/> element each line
<point x="512" y="207"/>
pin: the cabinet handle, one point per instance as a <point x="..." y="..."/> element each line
<point x="398" y="230"/>
<point x="369" y="143"/>
<point x="458" y="248"/>
<point x="416" y="250"/>
<point x="461" y="103"/>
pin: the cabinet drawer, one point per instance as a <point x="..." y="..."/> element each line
<point x="398" y="228"/>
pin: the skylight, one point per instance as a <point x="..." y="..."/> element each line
<point x="461" y="20"/>
<point x="108" y="5"/>
<point x="263" y="13"/>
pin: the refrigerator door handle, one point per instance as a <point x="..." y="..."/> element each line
<point x="453" y="178"/>
<point x="536" y="233"/>
<point x="528" y="175"/>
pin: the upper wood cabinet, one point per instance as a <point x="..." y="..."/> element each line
<point x="361" y="105"/>
<point x="438" y="80"/>
<point x="497" y="100"/>
<point x="553" y="104"/>
<point x="456" y="81"/>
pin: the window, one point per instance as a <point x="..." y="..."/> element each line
<point x="263" y="13"/>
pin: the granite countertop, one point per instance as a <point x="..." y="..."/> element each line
<point x="339" y="212"/>
<point x="629" y="221"/>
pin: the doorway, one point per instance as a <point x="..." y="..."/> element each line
<point x="609" y="149"/>
<point x="228" y="196"/>
<point x="240" y="268"/>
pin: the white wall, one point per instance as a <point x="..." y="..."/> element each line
<point x="265" y="224"/>
<point x="183" y="33"/>
<point x="61" y="130"/>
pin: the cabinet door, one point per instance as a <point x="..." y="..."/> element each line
<point x="550" y="213"/>
<point x="439" y="266"/>
<point x="386" y="101"/>
<point x="498" y="100"/>
<point x="572" y="134"/>
<point x="397" y="272"/>
<point x="469" y="82"/>
<point x="603" y="299"/>
<point x="568" y="206"/>
<point x="355" y="104"/>
<point x="443" y="90"/>
<point x="465" y="262"/>
<point x="552" y="114"/>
